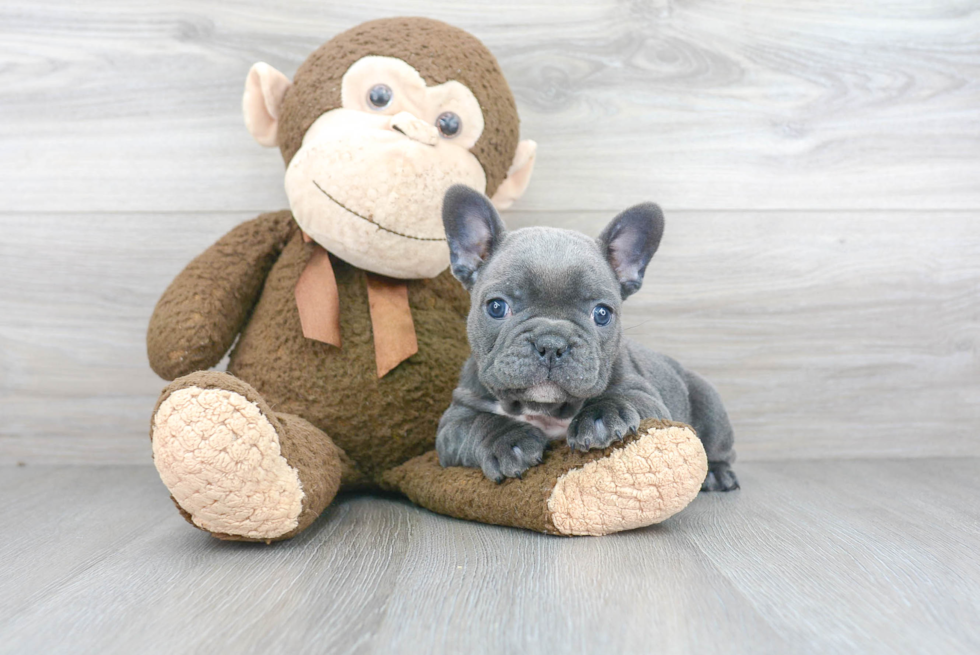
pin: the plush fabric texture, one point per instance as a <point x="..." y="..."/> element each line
<point x="318" y="304"/>
<point x="235" y="468"/>
<point x="648" y="480"/>
<point x="439" y="52"/>
<point x="204" y="308"/>
<point x="379" y="423"/>
<point x="644" y="479"/>
<point x="466" y="493"/>
<point x="374" y="197"/>
<point x="220" y="457"/>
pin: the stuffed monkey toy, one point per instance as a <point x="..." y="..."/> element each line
<point x="348" y="330"/>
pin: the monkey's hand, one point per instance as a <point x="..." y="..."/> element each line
<point x="207" y="304"/>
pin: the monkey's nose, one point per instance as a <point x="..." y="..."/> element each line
<point x="415" y="128"/>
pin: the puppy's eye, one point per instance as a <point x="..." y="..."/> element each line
<point x="497" y="308"/>
<point x="602" y="314"/>
<point x="449" y="124"/>
<point x="380" y="96"/>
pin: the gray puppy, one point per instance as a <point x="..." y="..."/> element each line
<point x="549" y="359"/>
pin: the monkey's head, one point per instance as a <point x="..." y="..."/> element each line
<point x="376" y="125"/>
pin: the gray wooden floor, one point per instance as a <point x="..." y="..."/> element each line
<point x="809" y="557"/>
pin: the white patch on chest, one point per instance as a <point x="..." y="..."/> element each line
<point x="553" y="428"/>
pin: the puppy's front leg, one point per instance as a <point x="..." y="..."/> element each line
<point x="501" y="446"/>
<point x="611" y="416"/>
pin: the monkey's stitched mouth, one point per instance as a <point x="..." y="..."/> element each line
<point x="372" y="222"/>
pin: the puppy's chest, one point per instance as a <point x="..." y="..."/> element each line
<point x="553" y="428"/>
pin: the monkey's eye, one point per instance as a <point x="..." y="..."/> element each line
<point x="497" y="308"/>
<point x="380" y="96"/>
<point x="602" y="314"/>
<point x="449" y="124"/>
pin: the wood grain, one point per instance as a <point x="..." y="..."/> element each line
<point x="809" y="557"/>
<point x="854" y="556"/>
<point x="828" y="334"/>
<point x="705" y="104"/>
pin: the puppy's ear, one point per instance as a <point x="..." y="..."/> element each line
<point x="628" y="243"/>
<point x="473" y="230"/>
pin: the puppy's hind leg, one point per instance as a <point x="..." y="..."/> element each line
<point x="709" y="418"/>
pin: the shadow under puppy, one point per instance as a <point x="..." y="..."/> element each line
<point x="548" y="357"/>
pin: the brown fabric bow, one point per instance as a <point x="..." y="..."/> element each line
<point x="318" y="302"/>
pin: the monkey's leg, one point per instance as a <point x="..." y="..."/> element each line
<point x="236" y="469"/>
<point x="644" y="479"/>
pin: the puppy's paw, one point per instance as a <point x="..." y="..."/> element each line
<point x="512" y="452"/>
<point x="720" y="477"/>
<point x="601" y="422"/>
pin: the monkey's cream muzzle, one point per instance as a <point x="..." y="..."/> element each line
<point x="369" y="189"/>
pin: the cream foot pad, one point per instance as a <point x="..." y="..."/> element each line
<point x="644" y="482"/>
<point x="219" y="456"/>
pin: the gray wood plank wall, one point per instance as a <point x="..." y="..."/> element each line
<point x="819" y="165"/>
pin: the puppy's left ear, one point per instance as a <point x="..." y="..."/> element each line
<point x="628" y="243"/>
<point x="473" y="230"/>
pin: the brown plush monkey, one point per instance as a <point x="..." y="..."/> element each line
<point x="350" y="331"/>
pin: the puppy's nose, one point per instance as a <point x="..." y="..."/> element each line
<point x="551" y="348"/>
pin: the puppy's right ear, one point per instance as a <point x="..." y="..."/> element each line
<point x="473" y="230"/>
<point x="628" y="243"/>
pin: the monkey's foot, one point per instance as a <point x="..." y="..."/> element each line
<point x="647" y="480"/>
<point x="233" y="467"/>
<point x="644" y="479"/>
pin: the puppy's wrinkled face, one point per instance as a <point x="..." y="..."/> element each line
<point x="544" y="319"/>
<point x="544" y="323"/>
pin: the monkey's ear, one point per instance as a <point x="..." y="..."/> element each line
<point x="473" y="230"/>
<point x="265" y="87"/>
<point x="628" y="243"/>
<point x="518" y="176"/>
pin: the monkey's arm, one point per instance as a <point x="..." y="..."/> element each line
<point x="204" y="308"/>
<point x="643" y="479"/>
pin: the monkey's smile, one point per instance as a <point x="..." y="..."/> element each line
<point x="372" y="222"/>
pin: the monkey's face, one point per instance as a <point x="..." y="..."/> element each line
<point x="368" y="181"/>
<point x="378" y="123"/>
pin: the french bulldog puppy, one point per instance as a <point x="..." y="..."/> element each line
<point x="549" y="360"/>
